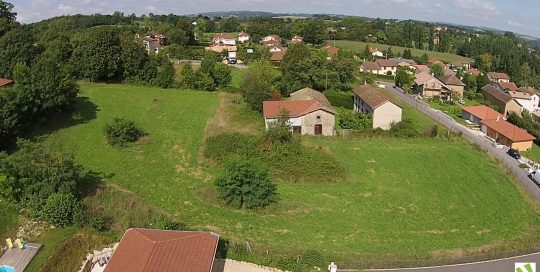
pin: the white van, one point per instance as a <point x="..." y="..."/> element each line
<point x="535" y="176"/>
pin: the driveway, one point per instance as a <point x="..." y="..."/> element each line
<point x="485" y="144"/>
<point x="502" y="265"/>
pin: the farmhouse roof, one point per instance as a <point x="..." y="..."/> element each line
<point x="474" y="71"/>
<point x="508" y="130"/>
<point x="294" y="108"/>
<point x="277" y="56"/>
<point x="501" y="96"/>
<point x="387" y="63"/>
<point x="243" y="34"/>
<point x="371" y="66"/>
<point x="423" y="78"/>
<point x="483" y="112"/>
<point x="332" y="51"/>
<point x="451" y="79"/>
<point x="495" y="75"/>
<point x="511" y="86"/>
<point x="5" y="82"/>
<point x="529" y="90"/>
<point x="519" y="95"/>
<point x="310" y="94"/>
<point x="421" y="68"/>
<point x="145" y="250"/>
<point x="226" y="36"/>
<point x="371" y="96"/>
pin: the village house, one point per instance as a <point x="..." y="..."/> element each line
<point x="143" y="250"/>
<point x="505" y="103"/>
<point x="421" y="68"/>
<point x="153" y="41"/>
<point x="243" y="37"/>
<point x="380" y="67"/>
<point x="403" y="62"/>
<point x="476" y="114"/>
<point x="430" y="87"/>
<point x="297" y="39"/>
<point x="224" y="39"/>
<point x="278" y="55"/>
<point x="505" y="133"/>
<point x="308" y="110"/>
<point x="494" y="125"/>
<point x="384" y="112"/>
<point x="498" y="77"/>
<point x="332" y="51"/>
<point x="375" y="52"/>
<point x="507" y="86"/>
<point x="271" y="38"/>
<point x="456" y="86"/>
<point x="460" y="64"/>
<point x="4" y="82"/>
<point x="474" y="71"/>
<point x="275" y="48"/>
<point x="533" y="104"/>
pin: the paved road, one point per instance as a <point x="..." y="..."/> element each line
<point x="485" y="144"/>
<point x="502" y="265"/>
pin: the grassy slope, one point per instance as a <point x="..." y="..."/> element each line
<point x="405" y="197"/>
<point x="359" y="46"/>
<point x="8" y="218"/>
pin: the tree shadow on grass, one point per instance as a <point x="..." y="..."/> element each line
<point x="90" y="183"/>
<point x="83" y="112"/>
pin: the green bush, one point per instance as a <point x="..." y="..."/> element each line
<point x="355" y="120"/>
<point x="60" y="209"/>
<point x="310" y="260"/>
<point x="404" y="129"/>
<point x="340" y="99"/>
<point x="245" y="184"/>
<point x="121" y="131"/>
<point x="169" y="224"/>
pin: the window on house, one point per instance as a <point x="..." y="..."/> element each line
<point x="318" y="117"/>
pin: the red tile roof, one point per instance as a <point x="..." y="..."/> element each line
<point x="145" y="250"/>
<point x="483" y="112"/>
<point x="371" y="66"/>
<point x="5" y="82"/>
<point x="474" y="71"/>
<point x="509" y="86"/>
<point x="495" y="75"/>
<point x="277" y="56"/>
<point x="451" y="79"/>
<point x="332" y="51"/>
<point x="508" y="130"/>
<point x="387" y="63"/>
<point x="294" y="108"/>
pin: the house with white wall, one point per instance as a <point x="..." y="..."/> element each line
<point x="369" y="100"/>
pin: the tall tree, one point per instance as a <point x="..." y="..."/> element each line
<point x="258" y="84"/>
<point x="7" y="17"/>
<point x="17" y="46"/>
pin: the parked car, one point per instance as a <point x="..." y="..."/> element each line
<point x="462" y="102"/>
<point x="514" y="153"/>
<point x="535" y="176"/>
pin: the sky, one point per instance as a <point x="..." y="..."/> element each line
<point x="519" y="16"/>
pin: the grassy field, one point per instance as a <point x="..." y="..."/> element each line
<point x="401" y="198"/>
<point x="360" y="46"/>
<point x="8" y="219"/>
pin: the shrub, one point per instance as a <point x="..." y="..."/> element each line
<point x="121" y="132"/>
<point x="355" y="120"/>
<point x="404" y="129"/>
<point x="244" y="184"/>
<point x="60" y="209"/>
<point x="34" y="172"/>
<point x="279" y="132"/>
<point x="340" y="99"/>
<point x="169" y="224"/>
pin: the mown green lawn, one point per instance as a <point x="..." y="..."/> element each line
<point x="360" y="46"/>
<point x="401" y="197"/>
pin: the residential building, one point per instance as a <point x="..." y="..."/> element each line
<point x="380" y="67"/>
<point x="153" y="41"/>
<point x="474" y="71"/>
<point x="297" y="39"/>
<point x="403" y="62"/>
<point x="456" y="86"/>
<point x="331" y="50"/>
<point x="476" y="114"/>
<point x="507" y="86"/>
<point x="278" y="55"/>
<point x="421" y="68"/>
<point x="309" y="112"/>
<point x="460" y="64"/>
<point x="430" y="87"/>
<point x="271" y="38"/>
<point x="384" y="112"/>
<point x="533" y="104"/>
<point x="375" y="52"/>
<point x="505" y="103"/>
<point x="507" y="134"/>
<point x="498" y="77"/>
<point x="243" y="37"/>
<point x="4" y="82"/>
<point x="146" y="250"/>
<point x="224" y="39"/>
<point x="275" y="48"/>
